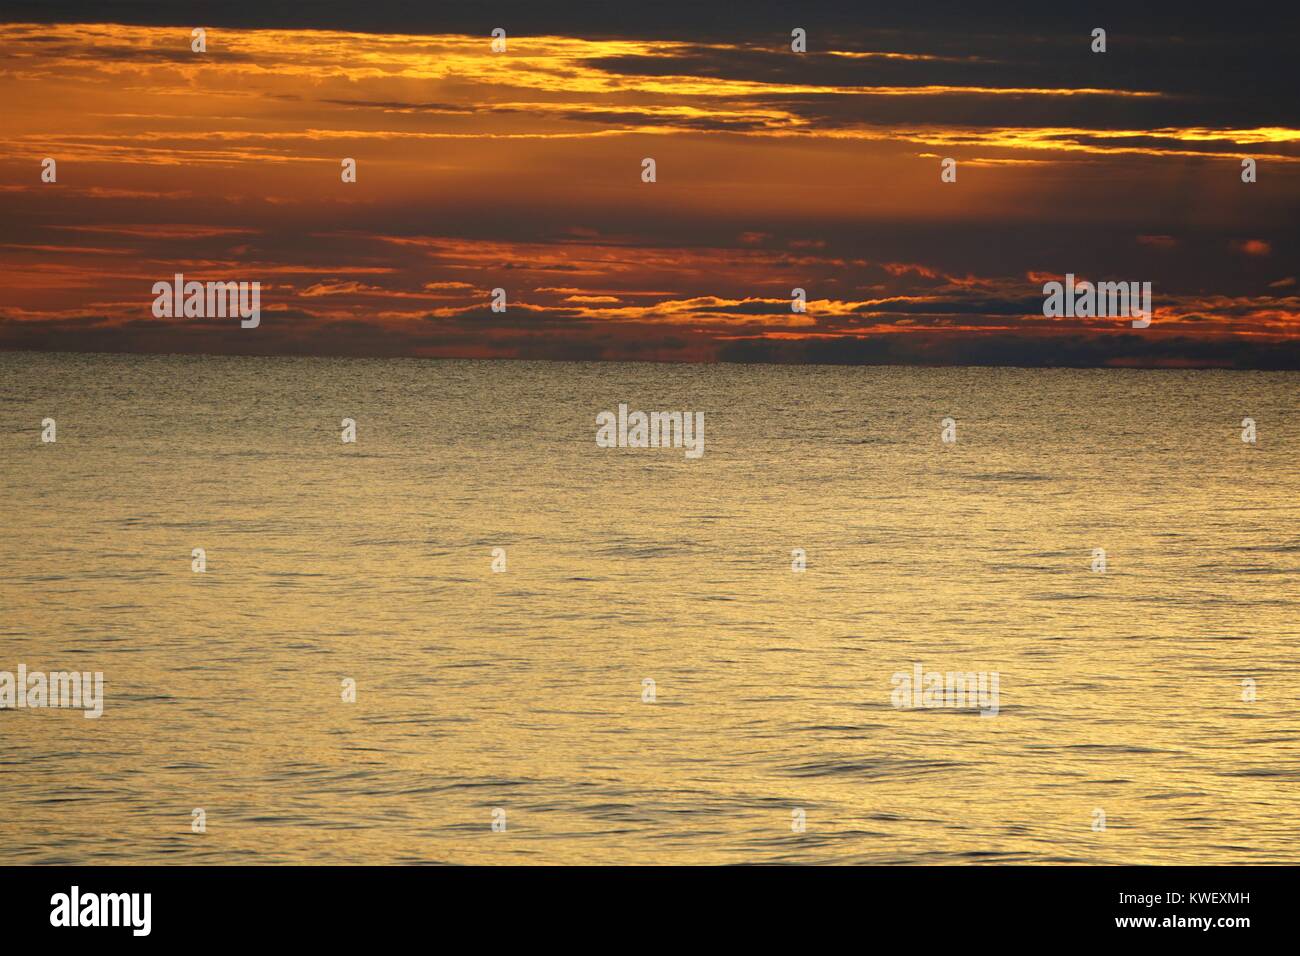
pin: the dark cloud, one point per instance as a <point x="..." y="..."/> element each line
<point x="1083" y="215"/>
<point x="1213" y="62"/>
<point x="680" y="19"/>
<point x="286" y="333"/>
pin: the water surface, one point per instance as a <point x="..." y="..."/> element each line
<point x="522" y="690"/>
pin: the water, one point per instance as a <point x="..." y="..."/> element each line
<point x="522" y="690"/>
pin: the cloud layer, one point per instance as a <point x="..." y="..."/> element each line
<point x="775" y="171"/>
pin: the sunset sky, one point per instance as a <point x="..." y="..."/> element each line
<point x="775" y="170"/>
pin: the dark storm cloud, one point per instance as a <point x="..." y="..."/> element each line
<point x="858" y="219"/>
<point x="830" y="111"/>
<point x="1213" y="67"/>
<point x="1090" y="111"/>
<point x="670" y="18"/>
<point x="286" y="335"/>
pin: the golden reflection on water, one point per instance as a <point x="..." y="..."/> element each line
<point x="523" y="690"/>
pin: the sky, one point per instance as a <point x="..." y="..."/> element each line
<point x="774" y="170"/>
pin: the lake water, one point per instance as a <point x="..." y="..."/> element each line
<point x="522" y="691"/>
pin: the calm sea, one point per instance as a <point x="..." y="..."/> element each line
<point x="519" y="696"/>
